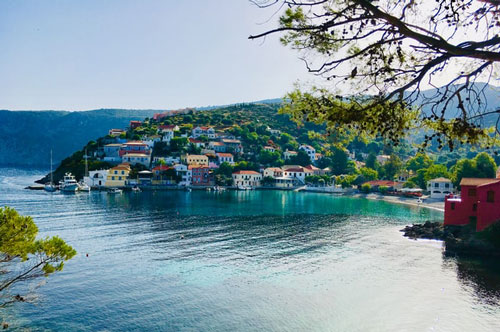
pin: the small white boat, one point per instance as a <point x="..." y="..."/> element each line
<point x="419" y="201"/>
<point x="136" y="190"/>
<point x="115" y="191"/>
<point x="82" y="186"/>
<point x="241" y="187"/>
<point x="68" y="184"/>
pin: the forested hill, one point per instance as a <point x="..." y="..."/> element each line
<point x="26" y="137"/>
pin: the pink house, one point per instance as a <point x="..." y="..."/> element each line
<point x="479" y="204"/>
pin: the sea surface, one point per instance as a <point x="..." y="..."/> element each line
<point x="245" y="261"/>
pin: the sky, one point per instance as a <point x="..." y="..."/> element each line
<point x="139" y="54"/>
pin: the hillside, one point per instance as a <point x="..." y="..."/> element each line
<point x="26" y="137"/>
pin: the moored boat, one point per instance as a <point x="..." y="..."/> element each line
<point x="68" y="184"/>
<point x="114" y="191"/>
<point x="50" y="186"/>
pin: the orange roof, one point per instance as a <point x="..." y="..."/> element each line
<point x="197" y="166"/>
<point x="477" y="181"/>
<point x="247" y="172"/>
<point x="382" y="183"/>
<point x="229" y="155"/>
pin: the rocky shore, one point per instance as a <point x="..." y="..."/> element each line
<point x="458" y="240"/>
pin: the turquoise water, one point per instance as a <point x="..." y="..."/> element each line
<point x="246" y="261"/>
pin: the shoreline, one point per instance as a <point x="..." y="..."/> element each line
<point x="432" y="205"/>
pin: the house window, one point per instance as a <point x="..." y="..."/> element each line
<point x="490" y="196"/>
<point x="472" y="192"/>
<point x="123" y="172"/>
<point x="474" y="207"/>
<point x="436" y="185"/>
<point x="112" y="178"/>
<point x="453" y="206"/>
<point x="446" y="185"/>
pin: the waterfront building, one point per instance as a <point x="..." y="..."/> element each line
<point x="297" y="172"/>
<point x="201" y="176"/>
<point x="439" y="187"/>
<point x="96" y="179"/>
<point x="225" y="157"/>
<point x="247" y="178"/>
<point x="118" y="176"/>
<point x="478" y="204"/>
<point x="137" y="158"/>
<point x="273" y="172"/>
<point x="184" y="174"/>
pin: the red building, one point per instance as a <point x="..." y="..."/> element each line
<point x="479" y="204"/>
<point x="134" y="147"/>
<point x="201" y="176"/>
<point x="135" y="124"/>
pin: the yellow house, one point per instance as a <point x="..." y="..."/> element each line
<point x="117" y="176"/>
<point x="195" y="159"/>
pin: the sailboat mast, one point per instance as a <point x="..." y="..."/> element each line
<point x="86" y="164"/>
<point x="51" y="175"/>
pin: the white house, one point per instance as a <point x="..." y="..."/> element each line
<point x="96" y="179"/>
<point x="225" y="157"/>
<point x="269" y="148"/>
<point x="112" y="153"/>
<point x="298" y="173"/>
<point x="273" y="172"/>
<point x="311" y="152"/>
<point x="439" y="187"/>
<point x="247" y="178"/>
<point x="203" y="131"/>
<point x="137" y="158"/>
<point x="289" y="154"/>
<point x="184" y="173"/>
<point x="168" y="160"/>
<point x="152" y="140"/>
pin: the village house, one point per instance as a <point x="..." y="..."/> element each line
<point x="112" y="153"/>
<point x="233" y="145"/>
<point x="96" y="179"/>
<point x="247" y="178"/>
<point x="117" y="176"/>
<point x="201" y="176"/>
<point x="183" y="174"/>
<point x="135" y="124"/>
<point x="439" y="187"/>
<point x="269" y="148"/>
<point x="390" y="185"/>
<point x="197" y="143"/>
<point x="289" y="154"/>
<point x="404" y="176"/>
<point x="225" y="157"/>
<point x="203" y="131"/>
<point x="152" y="140"/>
<point x="478" y="204"/>
<point x="134" y="147"/>
<point x="383" y="158"/>
<point x="311" y="152"/>
<point x="298" y="173"/>
<point x="217" y="146"/>
<point x="169" y="160"/>
<point x="137" y="158"/>
<point x="196" y="159"/>
<point x="164" y="175"/>
<point x="116" y="132"/>
<point x="273" y="172"/>
<point x="315" y="170"/>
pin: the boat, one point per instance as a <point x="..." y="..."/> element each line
<point x="241" y="187"/>
<point x="115" y="191"/>
<point x="136" y="189"/>
<point x="419" y="201"/>
<point x="50" y="186"/>
<point x="68" y="184"/>
<point x="82" y="186"/>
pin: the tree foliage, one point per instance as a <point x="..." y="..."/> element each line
<point x="389" y="51"/>
<point x="24" y="258"/>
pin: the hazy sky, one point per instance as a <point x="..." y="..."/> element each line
<point x="166" y="54"/>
